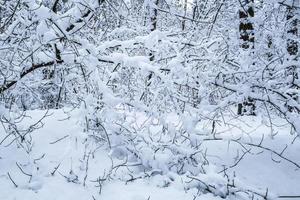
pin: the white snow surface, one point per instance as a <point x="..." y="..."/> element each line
<point x="67" y="183"/>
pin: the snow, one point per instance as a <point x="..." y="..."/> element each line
<point x="145" y="114"/>
<point x="61" y="142"/>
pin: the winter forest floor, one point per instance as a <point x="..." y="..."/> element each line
<point x="57" y="170"/>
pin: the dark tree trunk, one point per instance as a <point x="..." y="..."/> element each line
<point x="153" y="17"/>
<point x="183" y="25"/>
<point x="292" y="48"/>
<point x="247" y="38"/>
<point x="292" y="42"/>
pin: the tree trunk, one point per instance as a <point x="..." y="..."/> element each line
<point x="247" y="38"/>
<point x="153" y="17"/>
<point x="292" y="42"/>
<point x="292" y="47"/>
<point x="184" y="10"/>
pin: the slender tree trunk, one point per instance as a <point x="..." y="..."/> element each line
<point x="184" y="10"/>
<point x="195" y="9"/>
<point x="293" y="47"/>
<point x="246" y="15"/>
<point x="292" y="42"/>
<point x="153" y="24"/>
<point x="247" y="38"/>
<point x="153" y="17"/>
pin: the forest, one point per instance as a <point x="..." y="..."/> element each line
<point x="149" y="99"/>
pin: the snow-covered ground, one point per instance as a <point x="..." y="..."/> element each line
<point x="59" y="168"/>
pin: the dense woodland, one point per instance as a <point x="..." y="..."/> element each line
<point x="187" y="67"/>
